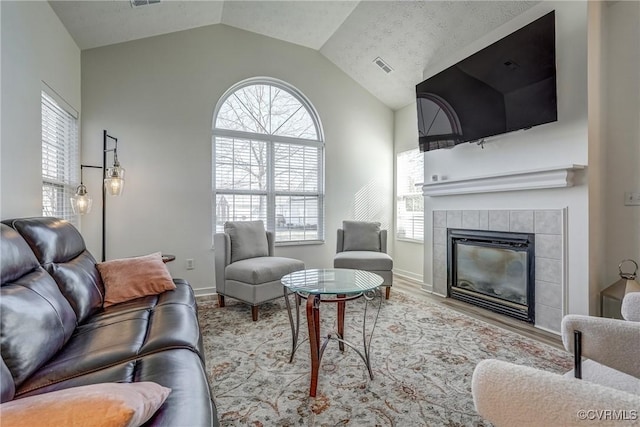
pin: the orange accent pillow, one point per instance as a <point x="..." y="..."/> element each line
<point x="129" y="278"/>
<point x="105" y="405"/>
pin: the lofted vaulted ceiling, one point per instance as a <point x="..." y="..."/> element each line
<point x="407" y="34"/>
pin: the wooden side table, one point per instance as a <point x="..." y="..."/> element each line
<point x="168" y="258"/>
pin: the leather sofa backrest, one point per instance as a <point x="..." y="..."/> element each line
<point x="36" y="319"/>
<point x="60" y="249"/>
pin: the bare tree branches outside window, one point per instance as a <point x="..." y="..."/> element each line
<point x="268" y="162"/>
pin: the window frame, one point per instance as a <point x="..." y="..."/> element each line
<point x="270" y="141"/>
<point x="401" y="197"/>
<point x="65" y="187"/>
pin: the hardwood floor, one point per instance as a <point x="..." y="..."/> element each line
<point x="414" y="288"/>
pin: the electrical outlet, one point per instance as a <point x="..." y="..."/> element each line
<point x="189" y="264"/>
<point x="632" y="199"/>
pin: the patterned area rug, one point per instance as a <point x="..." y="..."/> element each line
<point x="422" y="356"/>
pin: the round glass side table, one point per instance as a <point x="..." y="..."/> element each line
<point x="335" y="285"/>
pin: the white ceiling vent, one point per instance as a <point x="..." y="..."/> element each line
<point x="138" y="3"/>
<point x="380" y="63"/>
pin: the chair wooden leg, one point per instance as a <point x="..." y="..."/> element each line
<point x="254" y="313"/>
<point x="387" y="292"/>
<point x="220" y="300"/>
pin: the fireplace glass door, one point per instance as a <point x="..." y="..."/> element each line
<point x="494" y="272"/>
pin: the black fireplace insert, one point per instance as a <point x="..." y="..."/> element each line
<point x="494" y="270"/>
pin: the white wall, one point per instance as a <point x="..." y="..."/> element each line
<point x="36" y="48"/>
<point x="408" y="256"/>
<point x="157" y="96"/>
<point x="621" y="139"/>
<point x="559" y="143"/>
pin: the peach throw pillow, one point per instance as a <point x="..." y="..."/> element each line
<point x="107" y="405"/>
<point x="129" y="278"/>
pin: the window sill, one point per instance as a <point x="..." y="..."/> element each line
<point x="404" y="239"/>
<point x="300" y="243"/>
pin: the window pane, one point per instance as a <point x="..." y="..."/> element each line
<point x="409" y="201"/>
<point x="234" y="207"/>
<point x="241" y="164"/>
<point x="297" y="218"/>
<point x="290" y="118"/>
<point x="60" y="159"/>
<point x="246" y="110"/>
<point x="296" y="168"/>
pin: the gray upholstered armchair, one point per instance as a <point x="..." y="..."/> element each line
<point x="245" y="266"/>
<point x="363" y="246"/>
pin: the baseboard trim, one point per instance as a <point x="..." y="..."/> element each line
<point x="551" y="331"/>
<point x="199" y="292"/>
<point x="427" y="288"/>
<point x="408" y="275"/>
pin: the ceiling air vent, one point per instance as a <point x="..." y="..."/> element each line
<point x="380" y="63"/>
<point x="138" y="3"/>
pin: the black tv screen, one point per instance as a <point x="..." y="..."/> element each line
<point x="507" y="86"/>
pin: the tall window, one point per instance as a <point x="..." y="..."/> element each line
<point x="60" y="159"/>
<point x="268" y="160"/>
<point x="409" y="199"/>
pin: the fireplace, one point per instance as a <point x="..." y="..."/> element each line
<point x="493" y="270"/>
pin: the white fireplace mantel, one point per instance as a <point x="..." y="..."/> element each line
<point x="534" y="179"/>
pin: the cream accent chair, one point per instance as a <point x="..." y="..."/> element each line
<point x="245" y="266"/>
<point x="363" y="246"/>
<point x="511" y="395"/>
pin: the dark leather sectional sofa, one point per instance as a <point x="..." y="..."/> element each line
<point x="55" y="333"/>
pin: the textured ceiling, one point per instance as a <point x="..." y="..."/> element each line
<point x="407" y="34"/>
<point x="100" y="23"/>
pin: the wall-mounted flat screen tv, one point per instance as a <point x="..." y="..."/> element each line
<point x="507" y="86"/>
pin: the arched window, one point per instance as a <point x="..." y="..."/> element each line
<point x="268" y="160"/>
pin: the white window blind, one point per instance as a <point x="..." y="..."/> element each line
<point x="268" y="161"/>
<point x="409" y="199"/>
<point x="60" y="159"/>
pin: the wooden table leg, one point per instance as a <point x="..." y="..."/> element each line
<point x="341" y="307"/>
<point x="313" y="320"/>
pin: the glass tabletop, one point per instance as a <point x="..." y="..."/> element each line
<point x="332" y="281"/>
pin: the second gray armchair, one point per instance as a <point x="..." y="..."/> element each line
<point x="363" y="246"/>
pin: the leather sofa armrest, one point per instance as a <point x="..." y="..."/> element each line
<point x="513" y="395"/>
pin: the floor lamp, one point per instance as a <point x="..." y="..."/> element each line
<point x="113" y="179"/>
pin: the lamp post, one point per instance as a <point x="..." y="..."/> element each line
<point x="113" y="184"/>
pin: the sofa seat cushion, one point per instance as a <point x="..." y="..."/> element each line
<point x="107" y="340"/>
<point x="182" y="294"/>
<point x="256" y="271"/>
<point x="363" y="260"/>
<point x="181" y="370"/>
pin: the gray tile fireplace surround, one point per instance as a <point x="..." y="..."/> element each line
<point x="548" y="227"/>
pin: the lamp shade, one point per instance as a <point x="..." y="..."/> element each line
<point x="114" y="180"/>
<point x="81" y="202"/>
